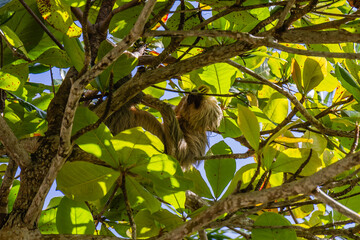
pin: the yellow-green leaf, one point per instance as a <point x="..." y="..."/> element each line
<point x="58" y="15"/>
<point x="282" y="139"/>
<point x="11" y="76"/>
<point x="296" y="74"/>
<point x="315" y="70"/>
<point x="249" y="126"/>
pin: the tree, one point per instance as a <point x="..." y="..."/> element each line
<point x="287" y="79"/>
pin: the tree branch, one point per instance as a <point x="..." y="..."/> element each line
<point x="67" y="122"/>
<point x="12" y="145"/>
<point x="323" y="197"/>
<point x="316" y="123"/>
<point x="238" y="201"/>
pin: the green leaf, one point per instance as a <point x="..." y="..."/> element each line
<point x="156" y="92"/>
<point x="12" y="76"/>
<point x="138" y="195"/>
<point x="83" y="181"/>
<point x="315" y="70"/>
<point x="350" y="202"/>
<point x="59" y="16"/>
<point x="75" y="3"/>
<point x="13" y="39"/>
<point x="219" y="76"/>
<point x="121" y="24"/>
<point x="229" y="128"/>
<point x="13" y="194"/>
<point x="200" y="186"/>
<point x="75" y="51"/>
<point x="122" y="67"/>
<point x="296" y="75"/>
<point x="166" y="218"/>
<point x="135" y="144"/>
<point x="289" y="160"/>
<point x="249" y="126"/>
<point x="74" y="218"/>
<point x="276" y="109"/>
<point x="272" y="219"/>
<point x="96" y="142"/>
<point x="24" y="26"/>
<point x="244" y="176"/>
<point x="171" y="184"/>
<point x="348" y="81"/>
<point x="158" y="166"/>
<point x="145" y="224"/>
<point x="176" y="199"/>
<point x="219" y="172"/>
<point x="55" y="57"/>
<point x="47" y="220"/>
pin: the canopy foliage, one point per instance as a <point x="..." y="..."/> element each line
<point x="285" y="162"/>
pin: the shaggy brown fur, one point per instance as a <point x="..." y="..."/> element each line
<point x="183" y="131"/>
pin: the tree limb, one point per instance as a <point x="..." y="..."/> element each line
<point x="323" y="197"/>
<point x="237" y="201"/>
<point x="66" y="127"/>
<point x="12" y="145"/>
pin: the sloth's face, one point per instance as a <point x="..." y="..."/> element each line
<point x="199" y="112"/>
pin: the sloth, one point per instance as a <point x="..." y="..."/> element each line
<point x="183" y="131"/>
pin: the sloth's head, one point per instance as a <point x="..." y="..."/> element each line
<point x="200" y="112"/>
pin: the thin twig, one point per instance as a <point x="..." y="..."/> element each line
<point x="202" y="235"/>
<point x="52" y="80"/>
<point x="15" y="51"/>
<point x="102" y="118"/>
<point x="356" y="139"/>
<point x="284" y="13"/>
<point x="234" y="156"/>
<point x="128" y="208"/>
<point x="312" y="53"/>
<point x="299" y="170"/>
<point x="315" y="122"/>
<point x="42" y="25"/>
<point x="87" y="48"/>
<point x="318" y="193"/>
<point x="256" y="174"/>
<point x="106" y="206"/>
<point x="245" y="235"/>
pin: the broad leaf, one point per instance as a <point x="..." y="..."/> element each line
<point x="348" y="82"/>
<point x="272" y="219"/>
<point x="315" y="70"/>
<point x="290" y="160"/>
<point x="13" y="75"/>
<point x="138" y="195"/>
<point x="220" y="76"/>
<point x="249" y="126"/>
<point x="200" y="186"/>
<point x="47" y="220"/>
<point x="83" y="181"/>
<point x="159" y="166"/>
<point x="169" y="220"/>
<point x="219" y="172"/>
<point x="276" y="109"/>
<point x="74" y="218"/>
<point x="145" y="224"/>
<point x="134" y="145"/>
<point x="96" y="142"/>
<point x="75" y="51"/>
<point x="59" y="16"/>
